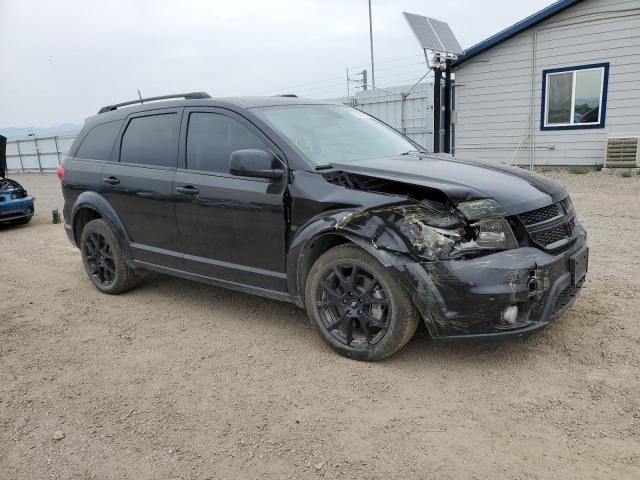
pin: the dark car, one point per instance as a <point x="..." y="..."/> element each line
<point x="16" y="205"/>
<point x="321" y="205"/>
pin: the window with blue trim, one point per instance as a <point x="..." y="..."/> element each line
<point x="574" y="97"/>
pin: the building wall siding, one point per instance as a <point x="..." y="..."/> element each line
<point x="494" y="100"/>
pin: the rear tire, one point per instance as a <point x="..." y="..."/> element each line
<point x="359" y="308"/>
<point x="104" y="260"/>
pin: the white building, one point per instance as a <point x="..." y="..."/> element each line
<point x="552" y="88"/>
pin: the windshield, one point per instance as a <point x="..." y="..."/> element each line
<point x="327" y="134"/>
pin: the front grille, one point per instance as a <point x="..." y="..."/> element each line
<point x="566" y="204"/>
<point x="540" y="215"/>
<point x="547" y="226"/>
<point x="552" y="235"/>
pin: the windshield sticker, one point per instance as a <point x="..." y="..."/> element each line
<point x="304" y="143"/>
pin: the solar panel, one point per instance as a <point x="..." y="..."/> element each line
<point x="446" y="36"/>
<point x="433" y="34"/>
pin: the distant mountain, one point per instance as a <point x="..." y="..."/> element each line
<point x="23" y="132"/>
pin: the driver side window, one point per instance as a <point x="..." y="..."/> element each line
<point x="213" y="137"/>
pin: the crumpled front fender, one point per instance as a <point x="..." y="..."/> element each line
<point x="369" y="232"/>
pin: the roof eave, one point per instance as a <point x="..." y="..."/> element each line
<point x="514" y="30"/>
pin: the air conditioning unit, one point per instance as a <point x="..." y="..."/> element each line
<point x="622" y="151"/>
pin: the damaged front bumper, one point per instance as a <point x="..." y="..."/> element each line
<point x="15" y="209"/>
<point x="467" y="299"/>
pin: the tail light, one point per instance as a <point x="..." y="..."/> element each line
<point x="60" y="172"/>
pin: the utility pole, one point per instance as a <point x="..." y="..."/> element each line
<point x="348" y="92"/>
<point x="373" y="74"/>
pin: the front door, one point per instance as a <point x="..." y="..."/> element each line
<point x="139" y="185"/>
<point x="232" y="228"/>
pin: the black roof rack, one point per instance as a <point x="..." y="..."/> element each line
<point x="288" y="95"/>
<point x="186" y="96"/>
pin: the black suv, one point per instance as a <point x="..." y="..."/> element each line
<point x="327" y="207"/>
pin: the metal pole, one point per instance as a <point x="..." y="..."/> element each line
<point x="436" y="106"/>
<point x="373" y="74"/>
<point x="403" y="98"/>
<point x="35" y="144"/>
<point x="55" y="140"/>
<point x="348" y="92"/>
<point x="447" y="107"/>
<point x="20" y="156"/>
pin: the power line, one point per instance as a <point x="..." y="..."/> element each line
<point x="334" y="79"/>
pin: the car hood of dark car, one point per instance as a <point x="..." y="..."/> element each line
<point x="516" y="190"/>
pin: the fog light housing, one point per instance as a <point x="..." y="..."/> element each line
<point x="510" y="314"/>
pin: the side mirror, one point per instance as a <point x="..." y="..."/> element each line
<point x="255" y="163"/>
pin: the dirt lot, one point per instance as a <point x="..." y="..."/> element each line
<point x="181" y="380"/>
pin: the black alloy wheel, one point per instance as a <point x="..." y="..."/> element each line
<point x="104" y="260"/>
<point x="100" y="259"/>
<point x="353" y="305"/>
<point x="359" y="307"/>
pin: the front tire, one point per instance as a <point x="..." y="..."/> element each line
<point x="359" y="308"/>
<point x="104" y="260"/>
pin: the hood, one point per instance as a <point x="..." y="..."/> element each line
<point x="515" y="189"/>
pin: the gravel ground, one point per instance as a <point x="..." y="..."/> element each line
<point x="181" y="380"/>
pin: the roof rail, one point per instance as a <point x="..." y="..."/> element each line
<point x="186" y="96"/>
<point x="288" y="95"/>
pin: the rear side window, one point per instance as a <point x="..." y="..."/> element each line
<point x="97" y="144"/>
<point x="212" y="138"/>
<point x="151" y="140"/>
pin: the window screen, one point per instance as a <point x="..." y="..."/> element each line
<point x="151" y="140"/>
<point x="212" y="138"/>
<point x="560" y="91"/>
<point x="97" y="144"/>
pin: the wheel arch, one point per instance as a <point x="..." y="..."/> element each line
<point x="321" y="234"/>
<point x="90" y="206"/>
<point x="317" y="237"/>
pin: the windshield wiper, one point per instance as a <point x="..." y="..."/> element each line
<point x="324" y="167"/>
<point x="413" y="152"/>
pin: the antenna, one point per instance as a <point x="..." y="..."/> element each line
<point x="140" y="96"/>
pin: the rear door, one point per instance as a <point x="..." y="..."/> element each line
<point x="83" y="169"/>
<point x="139" y="185"/>
<point x="232" y="228"/>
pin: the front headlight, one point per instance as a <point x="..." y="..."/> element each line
<point x="461" y="238"/>
<point x="490" y="230"/>
<point x="479" y="209"/>
<point x="494" y="234"/>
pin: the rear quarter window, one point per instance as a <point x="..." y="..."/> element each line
<point x="98" y="142"/>
<point x="151" y="140"/>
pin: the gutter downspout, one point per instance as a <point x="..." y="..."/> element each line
<point x="532" y="106"/>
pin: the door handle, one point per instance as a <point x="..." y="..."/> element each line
<point x="188" y="190"/>
<point x="111" y="180"/>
